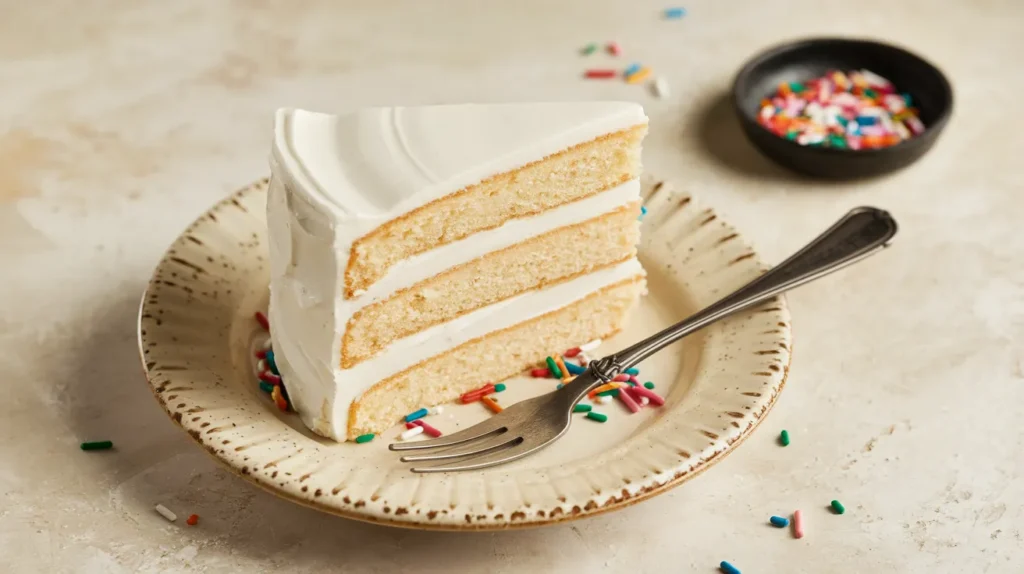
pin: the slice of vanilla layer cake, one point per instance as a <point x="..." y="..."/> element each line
<point x="417" y="253"/>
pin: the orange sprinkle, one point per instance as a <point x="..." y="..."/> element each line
<point x="279" y="398"/>
<point x="192" y="520"/>
<point x="561" y="367"/>
<point x="491" y="404"/>
<point x="603" y="388"/>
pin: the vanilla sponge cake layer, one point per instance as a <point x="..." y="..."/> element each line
<point x="552" y="257"/>
<point x="493" y="357"/>
<point x="563" y="177"/>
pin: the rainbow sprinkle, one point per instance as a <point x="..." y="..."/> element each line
<point x="845" y="110"/>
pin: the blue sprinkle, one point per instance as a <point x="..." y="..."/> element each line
<point x="632" y="371"/>
<point x="779" y="521"/>
<point x="632" y="69"/>
<point x="559" y="385"/>
<point x="728" y="568"/>
<point x="271" y="363"/>
<point x="416" y="415"/>
<point x="574" y="369"/>
<point x="643" y="212"/>
<point x="675" y="13"/>
<point x="867" y="120"/>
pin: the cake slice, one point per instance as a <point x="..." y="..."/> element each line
<point x="417" y="253"/>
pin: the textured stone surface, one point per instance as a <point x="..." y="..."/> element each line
<point x="122" y="121"/>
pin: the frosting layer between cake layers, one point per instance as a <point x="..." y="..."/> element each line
<point x="335" y="179"/>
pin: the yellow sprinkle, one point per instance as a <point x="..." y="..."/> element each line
<point x="639" y="76"/>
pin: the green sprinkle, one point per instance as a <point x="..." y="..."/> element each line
<point x="582" y="408"/>
<point x="553" y="367"/>
<point x="499" y="387"/>
<point x="648" y="385"/>
<point x="796" y="87"/>
<point x="266" y="387"/>
<point x="365" y="438"/>
<point x="596" y="416"/>
<point x="589" y="49"/>
<point x="838" y="507"/>
<point x="871" y="93"/>
<point x="837" y="141"/>
<point x="784" y="438"/>
<point x="609" y="393"/>
<point x="97" y="445"/>
<point x="791" y="136"/>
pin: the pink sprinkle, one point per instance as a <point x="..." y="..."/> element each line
<point x="621" y="378"/>
<point x="798" y="524"/>
<point x="633" y="380"/>
<point x="627" y="399"/>
<point x="653" y="396"/>
<point x="262" y="320"/>
<point x="614" y="49"/>
<point x="427" y="429"/>
<point x="572" y="352"/>
<point x="270" y="378"/>
<point x="915" y="125"/>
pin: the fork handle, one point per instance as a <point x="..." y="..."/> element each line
<point x="860" y="233"/>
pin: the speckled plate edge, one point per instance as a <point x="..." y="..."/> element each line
<point x="196" y="397"/>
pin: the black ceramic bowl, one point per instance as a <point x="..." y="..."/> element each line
<point x="807" y="59"/>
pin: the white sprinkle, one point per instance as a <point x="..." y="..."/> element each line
<point x="645" y="401"/>
<point x="261" y="365"/>
<point x="358" y="293"/>
<point x="412" y="432"/>
<point x="604" y="399"/>
<point x="438" y="410"/>
<point x="267" y="344"/>
<point x="165" y="512"/>
<point x="591" y="345"/>
<point x="583" y="359"/>
<point x="874" y="79"/>
<point x="660" y="87"/>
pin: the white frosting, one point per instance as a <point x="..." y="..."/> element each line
<point x="335" y="178"/>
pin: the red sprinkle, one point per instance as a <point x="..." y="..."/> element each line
<point x="473" y="396"/>
<point x="262" y="320"/>
<point x="270" y="378"/>
<point x="261" y="354"/>
<point x="572" y="352"/>
<point x="192" y="520"/>
<point x="411" y="425"/>
<point x="427" y="429"/>
<point x="601" y="74"/>
<point x="541" y="373"/>
<point x="614" y="49"/>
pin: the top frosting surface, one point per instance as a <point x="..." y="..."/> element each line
<point x="381" y="161"/>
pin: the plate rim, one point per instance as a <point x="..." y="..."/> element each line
<point x="614" y="503"/>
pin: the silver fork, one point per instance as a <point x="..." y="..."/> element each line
<point x="530" y="425"/>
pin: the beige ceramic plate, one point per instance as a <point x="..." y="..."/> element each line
<point x="197" y="334"/>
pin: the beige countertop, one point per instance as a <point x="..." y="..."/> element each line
<point x="121" y="122"/>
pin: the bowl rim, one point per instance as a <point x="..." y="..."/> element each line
<point x="934" y="128"/>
